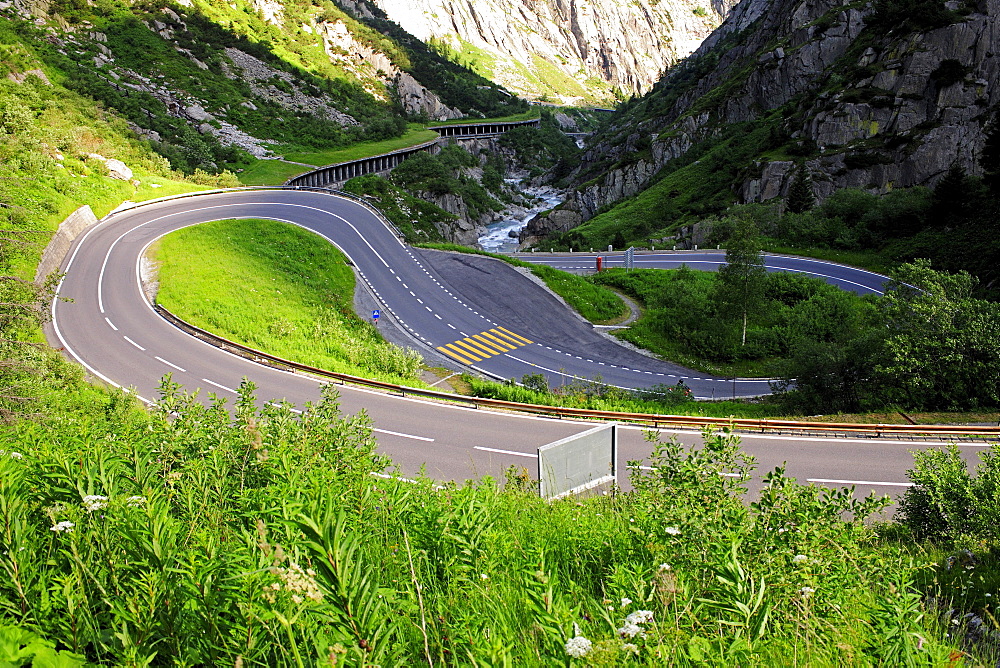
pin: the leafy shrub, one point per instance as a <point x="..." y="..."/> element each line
<point x="946" y="501"/>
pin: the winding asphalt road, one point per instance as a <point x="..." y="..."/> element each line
<point x="112" y="330"/>
<point x="852" y="279"/>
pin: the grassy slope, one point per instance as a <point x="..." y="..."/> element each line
<point x="269" y="172"/>
<point x="541" y="80"/>
<point x="277" y="288"/>
<point x="48" y="133"/>
<point x="414" y="135"/>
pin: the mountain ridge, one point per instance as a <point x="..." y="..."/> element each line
<point x="570" y="50"/>
<point x="863" y="102"/>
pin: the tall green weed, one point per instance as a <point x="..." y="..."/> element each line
<point x="203" y="533"/>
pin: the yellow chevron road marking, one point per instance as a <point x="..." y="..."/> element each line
<point x="489" y="345"/>
<point x="497" y="342"/>
<point x="466" y="348"/>
<point x="478" y="347"/>
<point x="515" y="337"/>
<point x="447" y="350"/>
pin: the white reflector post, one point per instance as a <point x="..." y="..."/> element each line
<point x="577" y="463"/>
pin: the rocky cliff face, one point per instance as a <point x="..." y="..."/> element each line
<point x="184" y="76"/>
<point x="568" y="50"/>
<point x="378" y="72"/>
<point x="867" y="99"/>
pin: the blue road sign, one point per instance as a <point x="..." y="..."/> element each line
<point x="375" y="314"/>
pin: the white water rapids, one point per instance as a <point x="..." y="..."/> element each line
<point x="498" y="237"/>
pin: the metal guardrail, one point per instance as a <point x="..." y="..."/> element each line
<point x="402" y="152"/>
<point x="646" y="419"/>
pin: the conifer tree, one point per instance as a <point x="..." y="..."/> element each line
<point x="989" y="159"/>
<point x="800" y="194"/>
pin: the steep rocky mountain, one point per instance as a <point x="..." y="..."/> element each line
<point x="208" y="83"/>
<point x="566" y="50"/>
<point x="880" y="96"/>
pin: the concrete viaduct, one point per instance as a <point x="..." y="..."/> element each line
<point x="335" y="175"/>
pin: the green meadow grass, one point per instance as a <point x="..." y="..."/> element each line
<point x="594" y="302"/>
<point x="277" y="288"/>
<point x="269" y="173"/>
<point x="414" y="135"/>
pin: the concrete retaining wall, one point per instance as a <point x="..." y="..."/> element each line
<point x="64" y="237"/>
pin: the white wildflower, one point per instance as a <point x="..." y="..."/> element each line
<point x="664" y="567"/>
<point x="484" y="576"/>
<point x="799" y="558"/>
<point x="136" y="501"/>
<point x="631" y="630"/>
<point x="17" y="455"/>
<point x="640" y="617"/>
<point x="299" y="581"/>
<point x="807" y="592"/>
<point x="673" y="531"/>
<point x="94" y="502"/>
<point x="578" y="647"/>
<point x="630" y="648"/>
<point x="626" y="602"/>
<point x="63" y="526"/>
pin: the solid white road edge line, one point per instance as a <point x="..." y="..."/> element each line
<point x="506" y="452"/>
<point x="860" y="482"/>
<point x="724" y="475"/>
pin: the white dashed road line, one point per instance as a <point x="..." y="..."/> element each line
<point x="396" y="433"/>
<point x="860" y="482"/>
<point x="170" y="364"/>
<point x="221" y="387"/>
<point x="133" y="343"/>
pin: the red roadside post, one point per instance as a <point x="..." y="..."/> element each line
<point x="599" y="258"/>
